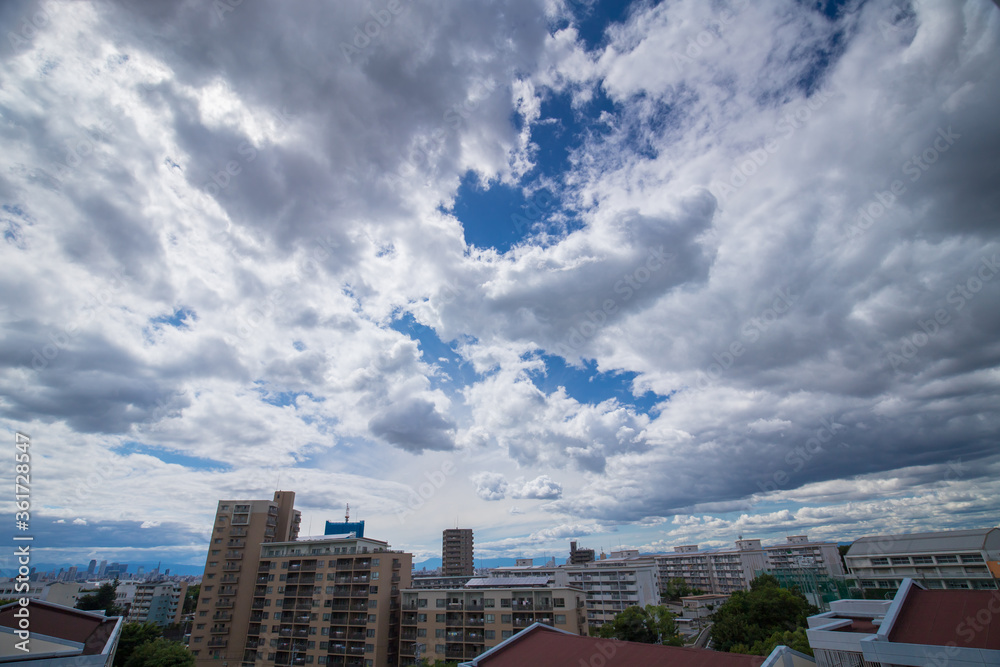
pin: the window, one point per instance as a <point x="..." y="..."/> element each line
<point x="375" y="562"/>
<point x="491" y="634"/>
<point x="489" y="602"/>
<point x="880" y="561"/>
<point x="422" y="602"/>
<point x="323" y="646"/>
<point x="370" y="632"/>
<point x="374" y="575"/>
<point x="325" y="632"/>
<point x="321" y="659"/>
<point x="947" y="559"/>
<point x="505" y="618"/>
<point x="218" y="540"/>
<point x="900" y="560"/>
<point x="440" y="603"/>
<point x="310" y="645"/>
<point x="505" y="634"/>
<point x="560" y="619"/>
<point x="504" y="602"/>
<point x="439" y="648"/>
<point x="200" y="626"/>
<point x="559" y="602"/>
<point x="491" y="618"/>
<point x="371" y="618"/>
<point x="421" y="632"/>
<point x="439" y="618"/>
<point x="369" y="648"/>
<point x="439" y="633"/>
<point x="373" y="590"/>
<point x="972" y="558"/>
<point x="421" y="618"/>
<point x="197" y="639"/>
<point x="326" y="616"/>
<point x="203" y="613"/>
<point x="922" y="560"/>
<point x="372" y="604"/>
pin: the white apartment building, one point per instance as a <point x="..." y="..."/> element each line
<point x="159" y="602"/>
<point x="962" y="559"/>
<point x="57" y="592"/>
<point x="727" y="571"/>
<point x="611" y="584"/>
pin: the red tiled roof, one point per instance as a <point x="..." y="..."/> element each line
<point x="938" y="617"/>
<point x="54" y="620"/>
<point x="551" y="648"/>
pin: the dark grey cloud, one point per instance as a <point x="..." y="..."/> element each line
<point x="414" y="425"/>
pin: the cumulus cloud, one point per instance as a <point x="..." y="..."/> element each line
<point x="490" y="486"/>
<point x="540" y="488"/>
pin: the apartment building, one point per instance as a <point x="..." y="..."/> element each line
<point x="56" y="592"/>
<point x="457" y="552"/>
<point x="961" y="559"/>
<point x="455" y="624"/>
<point x="727" y="571"/>
<point x="610" y="585"/>
<point x="223" y="613"/>
<point x="327" y="600"/>
<point x="159" y="602"/>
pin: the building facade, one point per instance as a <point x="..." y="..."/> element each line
<point x="224" y="610"/>
<point x="960" y="559"/>
<point x="159" y="602"/>
<point x="327" y="601"/>
<point x="727" y="571"/>
<point x="460" y="624"/>
<point x="457" y="552"/>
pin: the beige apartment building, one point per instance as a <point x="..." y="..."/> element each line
<point x="222" y="616"/>
<point x="327" y="601"/>
<point x="457" y="552"/>
<point x="159" y="602"/>
<point x="456" y="624"/>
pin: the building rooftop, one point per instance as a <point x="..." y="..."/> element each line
<point x="936" y="617"/>
<point x="507" y="582"/>
<point x="542" y="645"/>
<point x="952" y="540"/>
<point x="61" y="630"/>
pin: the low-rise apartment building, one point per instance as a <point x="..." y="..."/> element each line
<point x="726" y="571"/>
<point x="159" y="602"/>
<point x="961" y="559"/>
<point x="456" y="624"/>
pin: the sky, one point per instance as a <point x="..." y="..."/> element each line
<point x="637" y="275"/>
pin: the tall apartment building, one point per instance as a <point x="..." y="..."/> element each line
<point x="159" y="602"/>
<point x="227" y="587"/>
<point x="727" y="571"/>
<point x="455" y="624"/>
<point x="327" y="601"/>
<point x="457" y="552"/>
<point x="578" y="556"/>
<point x="962" y="559"/>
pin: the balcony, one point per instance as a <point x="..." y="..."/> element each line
<point x="232" y="566"/>
<point x="224" y="603"/>
<point x="234" y="555"/>
<point x="229" y="579"/>
<point x="219" y="630"/>
<point x="222" y="616"/>
<point x="217" y="643"/>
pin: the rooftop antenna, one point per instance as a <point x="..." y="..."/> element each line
<point x="347" y="513"/>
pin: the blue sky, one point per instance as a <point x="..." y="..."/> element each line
<point x="636" y="274"/>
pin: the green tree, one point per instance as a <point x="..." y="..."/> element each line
<point x="751" y="617"/>
<point x="191" y="598"/>
<point x="677" y="588"/>
<point x="161" y="653"/>
<point x="134" y="636"/>
<point x="103" y="599"/>
<point x="650" y="625"/>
